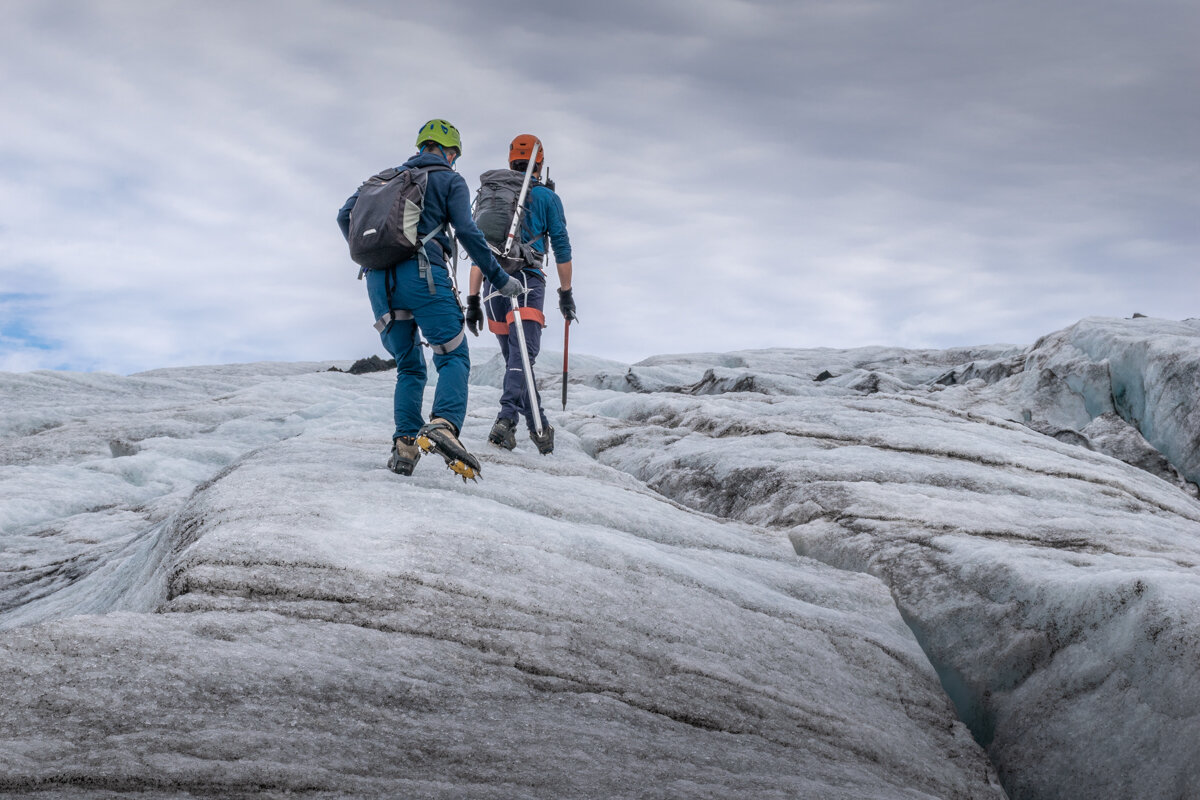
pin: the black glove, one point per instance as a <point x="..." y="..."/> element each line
<point x="474" y="314"/>
<point x="566" y="304"/>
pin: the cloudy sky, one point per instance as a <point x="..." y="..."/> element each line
<point x="736" y="173"/>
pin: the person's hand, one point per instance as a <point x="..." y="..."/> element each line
<point x="513" y="288"/>
<point x="566" y="304"/>
<point x="474" y="314"/>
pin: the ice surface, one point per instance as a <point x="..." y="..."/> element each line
<point x="92" y="466"/>
<point x="1055" y="588"/>
<point x="285" y="615"/>
<point x="765" y="574"/>
<point x="1143" y="371"/>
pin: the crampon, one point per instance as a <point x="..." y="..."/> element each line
<point x="440" y="438"/>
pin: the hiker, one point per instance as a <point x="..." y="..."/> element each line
<point x="542" y="220"/>
<point x="416" y="296"/>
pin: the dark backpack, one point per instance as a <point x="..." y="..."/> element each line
<point x="495" y="205"/>
<point x="383" y="222"/>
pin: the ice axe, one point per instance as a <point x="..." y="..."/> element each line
<point x="530" y="386"/>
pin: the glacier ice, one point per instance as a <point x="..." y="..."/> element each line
<point x="308" y="622"/>
<point x="731" y="579"/>
<point x="1054" y="587"/>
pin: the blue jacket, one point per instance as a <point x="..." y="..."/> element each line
<point x="446" y="200"/>
<point x="545" y="216"/>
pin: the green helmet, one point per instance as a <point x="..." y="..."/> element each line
<point x="440" y="132"/>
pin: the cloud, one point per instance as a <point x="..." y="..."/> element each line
<point x="735" y="174"/>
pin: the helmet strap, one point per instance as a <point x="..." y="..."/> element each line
<point x="428" y="147"/>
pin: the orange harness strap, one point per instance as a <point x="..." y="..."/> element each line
<point x="527" y="315"/>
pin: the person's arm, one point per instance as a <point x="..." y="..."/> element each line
<point x="474" y="312"/>
<point x="556" y="224"/>
<point x="343" y="216"/>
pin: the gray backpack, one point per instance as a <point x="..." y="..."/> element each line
<point x="383" y="222"/>
<point x="495" y="205"/>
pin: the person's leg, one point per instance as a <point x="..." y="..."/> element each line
<point x="532" y="321"/>
<point x="400" y="340"/>
<point x="450" y="395"/>
<point x="513" y="383"/>
<point x="441" y="321"/>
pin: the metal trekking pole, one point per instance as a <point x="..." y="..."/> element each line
<point x="530" y="386"/>
<point x="566" y="346"/>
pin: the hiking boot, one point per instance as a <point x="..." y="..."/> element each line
<point x="405" y="455"/>
<point x="440" y="437"/>
<point x="545" y="442"/>
<point x="504" y="434"/>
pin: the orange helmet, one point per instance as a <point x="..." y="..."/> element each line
<point x="522" y="146"/>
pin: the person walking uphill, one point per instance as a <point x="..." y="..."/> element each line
<point x="543" y="224"/>
<point x="411" y="289"/>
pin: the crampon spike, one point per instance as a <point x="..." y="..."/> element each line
<point x="464" y="470"/>
<point x="455" y="465"/>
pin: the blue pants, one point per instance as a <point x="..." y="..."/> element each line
<point x="514" y="399"/>
<point x="440" y="319"/>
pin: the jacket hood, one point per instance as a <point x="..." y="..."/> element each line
<point x="428" y="160"/>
